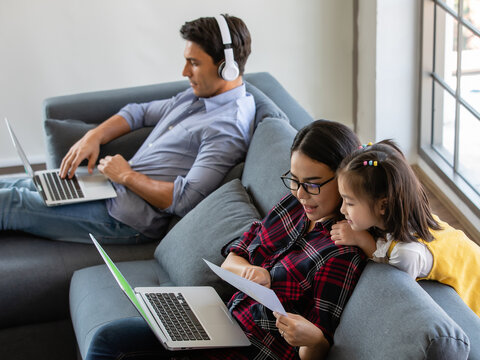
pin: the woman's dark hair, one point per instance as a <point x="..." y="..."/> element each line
<point x="325" y="141"/>
<point x="205" y="32"/>
<point x="407" y="210"/>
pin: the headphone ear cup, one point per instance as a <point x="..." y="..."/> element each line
<point x="230" y="72"/>
<point x="220" y="69"/>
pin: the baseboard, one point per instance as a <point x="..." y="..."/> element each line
<point x="7" y="170"/>
<point x="468" y="227"/>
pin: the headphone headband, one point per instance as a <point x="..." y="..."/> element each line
<point x="228" y="70"/>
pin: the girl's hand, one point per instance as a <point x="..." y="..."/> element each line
<point x="257" y="274"/>
<point x="298" y="331"/>
<point x="343" y="234"/>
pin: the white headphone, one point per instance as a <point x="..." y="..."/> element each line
<point x="228" y="69"/>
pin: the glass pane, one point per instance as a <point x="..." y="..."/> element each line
<point x="445" y="47"/>
<point x="470" y="78"/>
<point x="471" y="11"/>
<point x="443" y="123"/>
<point x="453" y="4"/>
<point x="469" y="154"/>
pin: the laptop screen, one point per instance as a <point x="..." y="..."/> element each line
<point x="120" y="279"/>
<point x="21" y="153"/>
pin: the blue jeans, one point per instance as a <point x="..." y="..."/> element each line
<point x="132" y="338"/>
<point x="129" y="338"/>
<point x="22" y="208"/>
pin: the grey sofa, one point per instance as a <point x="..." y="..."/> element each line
<point x="389" y="316"/>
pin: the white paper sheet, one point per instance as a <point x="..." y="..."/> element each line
<point x="262" y="294"/>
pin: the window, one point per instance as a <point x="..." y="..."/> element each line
<point x="450" y="119"/>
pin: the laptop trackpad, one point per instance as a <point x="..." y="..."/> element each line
<point x="215" y="314"/>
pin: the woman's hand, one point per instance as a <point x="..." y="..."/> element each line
<point x="298" y="331"/>
<point x="240" y="266"/>
<point x="257" y="274"/>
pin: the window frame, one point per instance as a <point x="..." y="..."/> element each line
<point x="426" y="150"/>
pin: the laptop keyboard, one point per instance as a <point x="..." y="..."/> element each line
<point x="62" y="189"/>
<point x="177" y="317"/>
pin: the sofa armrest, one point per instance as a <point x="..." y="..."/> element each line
<point x="390" y="316"/>
<point x="97" y="106"/>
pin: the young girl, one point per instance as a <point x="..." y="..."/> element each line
<point x="381" y="194"/>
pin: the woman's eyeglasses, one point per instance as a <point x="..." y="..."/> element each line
<point x="311" y="188"/>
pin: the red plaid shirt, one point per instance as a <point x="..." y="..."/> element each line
<point x="310" y="274"/>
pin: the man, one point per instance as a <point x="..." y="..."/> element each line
<point x="198" y="135"/>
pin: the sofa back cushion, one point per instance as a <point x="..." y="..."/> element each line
<point x="264" y="106"/>
<point x="222" y="216"/>
<point x="268" y="157"/>
<point x="266" y="83"/>
<point x="390" y="316"/>
<point x="60" y="135"/>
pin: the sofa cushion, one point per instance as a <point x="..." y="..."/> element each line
<point x="264" y="107"/>
<point x="390" y="316"/>
<point x="222" y="216"/>
<point x="96" y="298"/>
<point x="268" y="157"/>
<point x="60" y="135"/>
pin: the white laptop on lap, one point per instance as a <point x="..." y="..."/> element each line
<point x="57" y="191"/>
<point x="182" y="318"/>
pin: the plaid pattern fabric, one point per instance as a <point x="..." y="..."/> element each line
<point x="310" y="274"/>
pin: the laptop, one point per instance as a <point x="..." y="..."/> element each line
<point x="57" y="191"/>
<point x="182" y="318"/>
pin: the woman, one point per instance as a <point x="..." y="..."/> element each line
<point x="291" y="252"/>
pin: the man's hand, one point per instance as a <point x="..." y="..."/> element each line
<point x="257" y="274"/>
<point x="88" y="147"/>
<point x="116" y="168"/>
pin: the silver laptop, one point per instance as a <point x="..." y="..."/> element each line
<point x="57" y="191"/>
<point x="182" y="318"/>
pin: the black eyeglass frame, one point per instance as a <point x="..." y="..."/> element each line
<point x="303" y="184"/>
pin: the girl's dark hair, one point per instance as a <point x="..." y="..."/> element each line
<point x="325" y="141"/>
<point x="205" y="32"/>
<point x="407" y="211"/>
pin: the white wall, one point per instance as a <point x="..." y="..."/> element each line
<point x="57" y="47"/>
<point x="388" y="79"/>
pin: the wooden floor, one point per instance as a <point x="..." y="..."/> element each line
<point x="446" y="210"/>
<point x="444" y="213"/>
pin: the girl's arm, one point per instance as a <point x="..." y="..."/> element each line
<point x="240" y="266"/>
<point x="298" y="331"/>
<point x="413" y="258"/>
<point x="343" y="234"/>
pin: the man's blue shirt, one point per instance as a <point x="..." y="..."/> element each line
<point x="195" y="141"/>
